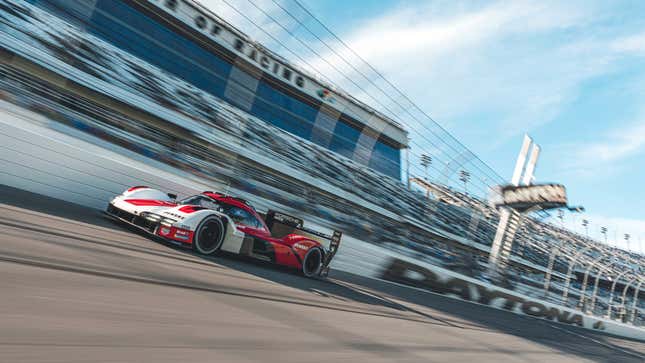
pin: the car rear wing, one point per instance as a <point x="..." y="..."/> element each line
<point x="278" y="221"/>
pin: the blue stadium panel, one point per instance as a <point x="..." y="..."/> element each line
<point x="139" y="34"/>
<point x="344" y="139"/>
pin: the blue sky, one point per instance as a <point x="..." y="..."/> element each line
<point x="570" y="73"/>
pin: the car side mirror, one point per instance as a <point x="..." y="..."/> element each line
<point x="172" y="196"/>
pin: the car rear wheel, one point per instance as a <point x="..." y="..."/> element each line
<point x="312" y="263"/>
<point x="209" y="235"/>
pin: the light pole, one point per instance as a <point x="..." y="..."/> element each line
<point x="603" y="230"/>
<point x="464" y="176"/>
<point x="627" y="236"/>
<point x="426" y="161"/>
<point x="585" y="223"/>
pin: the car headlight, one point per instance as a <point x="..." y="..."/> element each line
<point x="167" y="221"/>
<point x="150" y="216"/>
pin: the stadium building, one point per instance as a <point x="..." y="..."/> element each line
<point x="186" y="40"/>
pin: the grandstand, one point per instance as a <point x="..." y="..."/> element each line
<point x="164" y="115"/>
<point x="196" y="46"/>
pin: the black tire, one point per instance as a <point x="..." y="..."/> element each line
<point x="209" y="235"/>
<point x="312" y="263"/>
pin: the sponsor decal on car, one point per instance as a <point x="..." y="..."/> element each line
<point x="300" y="246"/>
<point x="179" y="216"/>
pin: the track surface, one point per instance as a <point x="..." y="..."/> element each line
<point x="75" y="287"/>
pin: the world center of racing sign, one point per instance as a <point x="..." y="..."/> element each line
<point x="537" y="196"/>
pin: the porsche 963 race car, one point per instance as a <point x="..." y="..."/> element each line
<point x="211" y="222"/>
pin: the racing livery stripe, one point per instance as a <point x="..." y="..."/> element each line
<point x="150" y="202"/>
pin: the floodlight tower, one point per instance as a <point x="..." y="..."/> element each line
<point x="603" y="230"/>
<point x="585" y="223"/>
<point x="464" y="176"/>
<point x="426" y="161"/>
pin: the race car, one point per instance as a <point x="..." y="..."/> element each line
<point x="212" y="222"/>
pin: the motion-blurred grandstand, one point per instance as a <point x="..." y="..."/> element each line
<point x="170" y="81"/>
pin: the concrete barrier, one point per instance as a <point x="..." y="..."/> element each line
<point x="403" y="270"/>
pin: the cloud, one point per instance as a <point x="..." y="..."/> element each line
<point x="425" y="33"/>
<point x="622" y="143"/>
<point x="519" y="63"/>
<point x="460" y="61"/>
<point x="612" y="152"/>
<point x="514" y="65"/>
<point x="634" y="44"/>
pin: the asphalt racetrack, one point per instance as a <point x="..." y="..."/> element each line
<point x="76" y="287"/>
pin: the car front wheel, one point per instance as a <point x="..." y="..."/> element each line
<point x="209" y="235"/>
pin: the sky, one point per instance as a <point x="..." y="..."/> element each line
<point x="569" y="73"/>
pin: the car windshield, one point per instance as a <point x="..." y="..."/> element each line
<point x="201" y="201"/>
<point x="238" y="215"/>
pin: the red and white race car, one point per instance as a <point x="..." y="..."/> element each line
<point x="211" y="222"/>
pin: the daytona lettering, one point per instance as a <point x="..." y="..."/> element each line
<point x="411" y="274"/>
